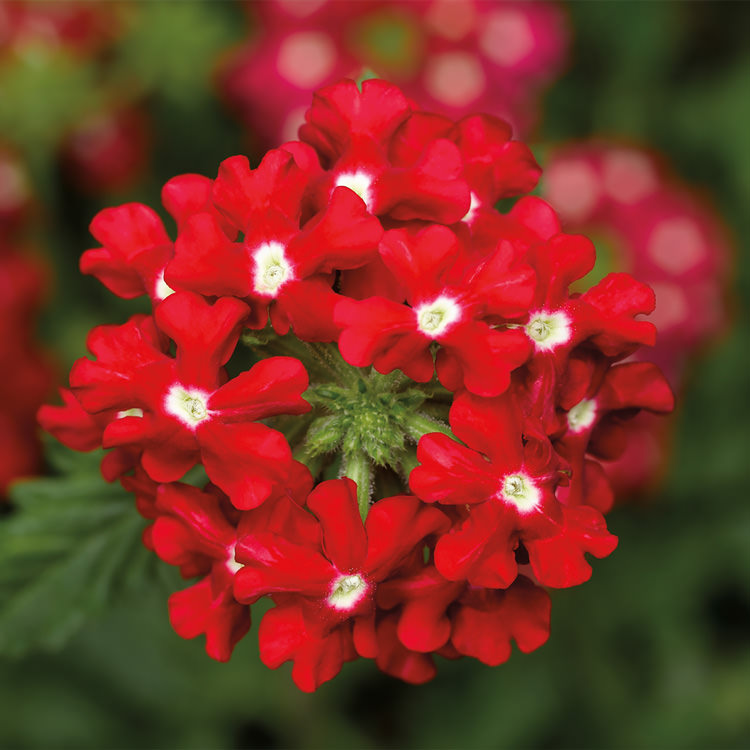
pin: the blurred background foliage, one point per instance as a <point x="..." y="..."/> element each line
<point x="653" y="652"/>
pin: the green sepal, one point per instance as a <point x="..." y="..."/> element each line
<point x="356" y="465"/>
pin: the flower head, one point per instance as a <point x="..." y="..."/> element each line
<point x="355" y="307"/>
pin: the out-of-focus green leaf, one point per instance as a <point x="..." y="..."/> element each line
<point x="172" y="48"/>
<point x="43" y="92"/>
<point x="68" y="548"/>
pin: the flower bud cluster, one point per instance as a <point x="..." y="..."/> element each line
<point x="378" y="295"/>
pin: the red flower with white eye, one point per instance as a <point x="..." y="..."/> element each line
<point x="558" y="320"/>
<point x="509" y="490"/>
<point x="198" y="531"/>
<point x="135" y="249"/>
<point x="596" y="400"/>
<point x="285" y="260"/>
<point x="452" y="302"/>
<point x="323" y="578"/>
<point x="353" y="130"/>
<point x="179" y="411"/>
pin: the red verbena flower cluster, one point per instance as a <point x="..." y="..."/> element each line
<point x="404" y="451"/>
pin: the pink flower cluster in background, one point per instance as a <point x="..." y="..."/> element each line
<point x="382" y="297"/>
<point x="451" y="56"/>
<point x="654" y="226"/>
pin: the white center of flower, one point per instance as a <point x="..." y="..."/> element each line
<point x="189" y="406"/>
<point x="360" y="182"/>
<point x="475" y="204"/>
<point x="434" y="318"/>
<point x="520" y="490"/>
<point x="162" y="290"/>
<point x="347" y="591"/>
<point x="548" y="330"/>
<point x="582" y="415"/>
<point x="134" y="412"/>
<point x="272" y="269"/>
<point x="232" y="565"/>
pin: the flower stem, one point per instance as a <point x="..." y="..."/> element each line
<point x="420" y="424"/>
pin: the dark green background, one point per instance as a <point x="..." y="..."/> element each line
<point x="653" y="652"/>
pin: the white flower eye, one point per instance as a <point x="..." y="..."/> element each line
<point x="189" y="406"/>
<point x="582" y="415"/>
<point x="548" y="330"/>
<point x="360" y="182"/>
<point x="520" y="490"/>
<point x="272" y="269"/>
<point x="434" y="318"/>
<point x="162" y="290"/>
<point x="347" y="591"/>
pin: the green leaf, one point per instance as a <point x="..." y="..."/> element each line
<point x="44" y="92"/>
<point x="69" y="548"/>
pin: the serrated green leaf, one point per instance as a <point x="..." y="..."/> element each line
<point x="71" y="545"/>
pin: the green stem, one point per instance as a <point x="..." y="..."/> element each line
<point x="348" y="373"/>
<point x="420" y="424"/>
<point x="436" y="411"/>
<point x="358" y="467"/>
<point x="314" y="352"/>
